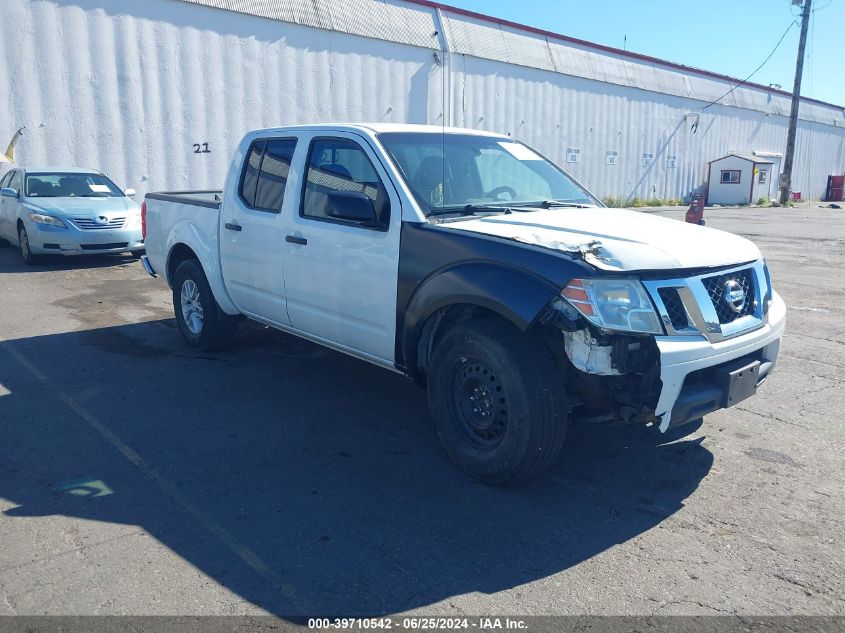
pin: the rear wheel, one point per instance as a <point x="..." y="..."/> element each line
<point x="26" y="250"/>
<point x="498" y="401"/>
<point x="201" y="321"/>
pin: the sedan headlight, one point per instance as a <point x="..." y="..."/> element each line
<point x="40" y="218"/>
<point x="614" y="304"/>
<point x="134" y="221"/>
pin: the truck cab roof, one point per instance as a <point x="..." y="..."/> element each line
<point x="378" y="128"/>
<point x="53" y="169"/>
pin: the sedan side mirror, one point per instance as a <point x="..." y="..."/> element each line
<point x="129" y="193"/>
<point x="8" y="192"/>
<point x="351" y="205"/>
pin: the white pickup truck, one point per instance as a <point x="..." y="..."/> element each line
<point x="470" y="263"/>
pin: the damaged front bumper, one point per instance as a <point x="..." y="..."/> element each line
<point x="719" y="343"/>
<point x="692" y="369"/>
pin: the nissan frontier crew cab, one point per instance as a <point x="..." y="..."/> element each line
<point x="479" y="269"/>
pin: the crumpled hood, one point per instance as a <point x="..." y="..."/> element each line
<point x="618" y="239"/>
<point x="82" y="207"/>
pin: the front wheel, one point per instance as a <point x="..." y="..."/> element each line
<point x="201" y="321"/>
<point x="498" y="401"/>
<point x="26" y="249"/>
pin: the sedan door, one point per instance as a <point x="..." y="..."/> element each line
<point x="342" y="251"/>
<point x="9" y="206"/>
<point x="4" y="206"/>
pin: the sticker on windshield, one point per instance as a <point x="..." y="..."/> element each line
<point x="519" y="151"/>
<point x="99" y="188"/>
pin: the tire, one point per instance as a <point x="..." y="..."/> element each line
<point x="137" y="254"/>
<point x="26" y="251"/>
<point x="516" y="383"/>
<point x="201" y="322"/>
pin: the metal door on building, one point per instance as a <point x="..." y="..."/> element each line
<point x="835" y="191"/>
<point x="761" y="185"/>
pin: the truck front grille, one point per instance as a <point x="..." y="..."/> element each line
<point x="674" y="307"/>
<point x="716" y="287"/>
<point x="91" y="224"/>
<point x="711" y="304"/>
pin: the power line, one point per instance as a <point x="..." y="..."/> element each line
<point x="789" y="156"/>
<point x="811" y="59"/>
<point x="811" y="53"/>
<point x="744" y="81"/>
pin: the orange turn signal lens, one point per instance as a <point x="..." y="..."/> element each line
<point x="577" y="295"/>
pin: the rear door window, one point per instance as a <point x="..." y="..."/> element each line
<point x="249" y="177"/>
<point x="265" y="174"/>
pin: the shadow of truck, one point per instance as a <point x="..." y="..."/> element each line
<point x="325" y="470"/>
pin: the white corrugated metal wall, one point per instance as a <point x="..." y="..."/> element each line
<point x="137" y="88"/>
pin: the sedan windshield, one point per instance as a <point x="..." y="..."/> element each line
<point x="454" y="172"/>
<point x="70" y="185"/>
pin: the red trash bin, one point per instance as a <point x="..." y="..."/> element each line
<point x="796" y="196"/>
<point x="695" y="213"/>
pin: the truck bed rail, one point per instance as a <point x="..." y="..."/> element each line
<point x="210" y="198"/>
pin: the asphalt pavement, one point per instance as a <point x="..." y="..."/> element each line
<point x="138" y="476"/>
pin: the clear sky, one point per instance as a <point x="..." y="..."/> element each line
<point x="731" y="37"/>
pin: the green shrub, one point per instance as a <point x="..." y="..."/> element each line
<point x="616" y="201"/>
<point x="613" y="201"/>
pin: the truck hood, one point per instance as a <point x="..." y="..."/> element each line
<point x="618" y="239"/>
<point x="82" y="207"/>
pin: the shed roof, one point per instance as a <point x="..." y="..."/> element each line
<point x="751" y="158"/>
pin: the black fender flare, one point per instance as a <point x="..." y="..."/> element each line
<point x="516" y="295"/>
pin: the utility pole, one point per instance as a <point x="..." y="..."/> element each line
<point x="786" y="181"/>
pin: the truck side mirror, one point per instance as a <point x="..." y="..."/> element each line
<point x="129" y="192"/>
<point x="351" y="205"/>
<point x="8" y="192"/>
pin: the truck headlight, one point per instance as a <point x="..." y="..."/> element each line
<point x="40" y="218"/>
<point x="134" y="221"/>
<point x="614" y="304"/>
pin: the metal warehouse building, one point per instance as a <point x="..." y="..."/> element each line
<point x="156" y="93"/>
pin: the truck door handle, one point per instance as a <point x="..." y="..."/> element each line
<point x="232" y="226"/>
<point x="293" y="239"/>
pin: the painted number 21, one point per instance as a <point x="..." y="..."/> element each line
<point x="201" y="148"/>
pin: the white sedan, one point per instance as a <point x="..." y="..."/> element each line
<point x="65" y="211"/>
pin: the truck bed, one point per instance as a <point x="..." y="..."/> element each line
<point x="190" y="217"/>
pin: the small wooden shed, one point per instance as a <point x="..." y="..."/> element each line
<point x="739" y="179"/>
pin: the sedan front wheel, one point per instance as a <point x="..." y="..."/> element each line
<point x="26" y="250"/>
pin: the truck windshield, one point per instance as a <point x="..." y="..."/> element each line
<point x="450" y="172"/>
<point x="70" y="185"/>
